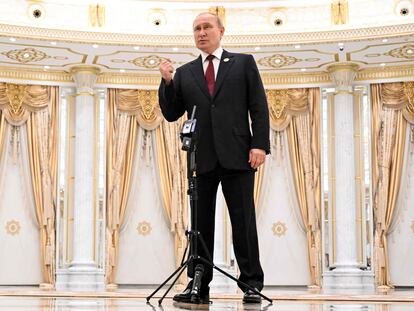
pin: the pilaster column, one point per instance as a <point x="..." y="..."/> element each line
<point x="83" y="244"/>
<point x="83" y="272"/>
<point x="345" y="202"/>
<point x="346" y="272"/>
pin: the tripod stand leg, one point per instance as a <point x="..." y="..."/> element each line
<point x="210" y="263"/>
<point x="185" y="253"/>
<point x="181" y="267"/>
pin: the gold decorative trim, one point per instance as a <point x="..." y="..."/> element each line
<point x="394" y="72"/>
<point x="269" y="79"/>
<point x="343" y="92"/>
<point x="84" y="94"/>
<point x="85" y="68"/>
<point x="13" y="227"/>
<point x="279" y="229"/>
<point x="339" y="12"/>
<point x="278" y="60"/>
<point x="36" y="46"/>
<point x="26" y="55"/>
<point x="187" y="40"/>
<point x="343" y="67"/>
<point x="295" y="78"/>
<point x="144" y="228"/>
<point x="35" y="75"/>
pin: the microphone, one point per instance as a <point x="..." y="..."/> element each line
<point x="195" y="290"/>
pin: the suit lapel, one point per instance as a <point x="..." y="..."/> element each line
<point x="226" y="62"/>
<point x="198" y="73"/>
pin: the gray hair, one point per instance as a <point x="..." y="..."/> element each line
<point x="218" y="20"/>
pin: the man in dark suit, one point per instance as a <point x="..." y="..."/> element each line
<point x="227" y="89"/>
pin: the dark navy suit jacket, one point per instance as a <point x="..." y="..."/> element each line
<point x="223" y="125"/>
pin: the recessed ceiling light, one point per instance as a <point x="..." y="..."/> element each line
<point x="384" y="40"/>
<point x="122" y="70"/>
<point x="151" y="61"/>
<point x="136" y="48"/>
<point x="46" y="67"/>
<point x="175" y="49"/>
<point x="53" y="43"/>
<point x="382" y="64"/>
<point x="409" y="51"/>
<point x="297" y="46"/>
<point x="257" y="48"/>
<point x="12" y="39"/>
<point x="340" y="44"/>
<point x="26" y="55"/>
<point x="303" y="69"/>
<point x="277" y="60"/>
<point x="95" y="46"/>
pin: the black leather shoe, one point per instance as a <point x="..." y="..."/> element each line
<point x="185" y="296"/>
<point x="251" y="297"/>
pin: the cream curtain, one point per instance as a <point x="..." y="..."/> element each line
<point x="392" y="107"/>
<point x="121" y="138"/>
<point x="38" y="106"/>
<point x="297" y="111"/>
<point x="3" y="127"/>
<point x="258" y="181"/>
<point x="127" y="109"/>
<point x="172" y="170"/>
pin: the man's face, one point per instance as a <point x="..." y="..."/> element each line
<point x="207" y="33"/>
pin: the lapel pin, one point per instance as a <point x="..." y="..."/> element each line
<point x="226" y="60"/>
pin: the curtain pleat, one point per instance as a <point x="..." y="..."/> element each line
<point x="389" y="123"/>
<point x="42" y="145"/>
<point x="121" y="139"/>
<point x="303" y="137"/>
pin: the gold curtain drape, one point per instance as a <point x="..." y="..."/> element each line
<point x="3" y="127"/>
<point x="38" y="106"/>
<point x="42" y="138"/>
<point x="121" y="138"/>
<point x="258" y="184"/>
<point x="17" y="101"/>
<point x="392" y="107"/>
<point x="297" y="111"/>
<point x="126" y="110"/>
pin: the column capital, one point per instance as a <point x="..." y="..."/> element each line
<point x="343" y="74"/>
<point x="85" y="77"/>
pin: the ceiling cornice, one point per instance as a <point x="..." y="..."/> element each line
<point x="152" y="81"/>
<point x="187" y="40"/>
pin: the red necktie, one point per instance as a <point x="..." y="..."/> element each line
<point x="210" y="74"/>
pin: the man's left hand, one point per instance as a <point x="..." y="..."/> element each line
<point x="256" y="157"/>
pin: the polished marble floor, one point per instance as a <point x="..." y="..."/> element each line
<point x="127" y="299"/>
<point x="111" y="304"/>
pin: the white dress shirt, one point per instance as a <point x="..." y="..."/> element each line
<point x="216" y="60"/>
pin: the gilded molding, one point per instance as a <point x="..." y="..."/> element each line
<point x="106" y="78"/>
<point x="339" y="12"/>
<point x="187" y="40"/>
<point x="385" y="73"/>
<point x="35" y="75"/>
<point x="85" y="69"/>
<point x="343" y="67"/>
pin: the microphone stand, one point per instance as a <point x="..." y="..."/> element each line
<point x="188" y="139"/>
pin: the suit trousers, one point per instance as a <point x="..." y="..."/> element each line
<point x="238" y="187"/>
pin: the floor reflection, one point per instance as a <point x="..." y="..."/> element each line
<point x="72" y="304"/>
